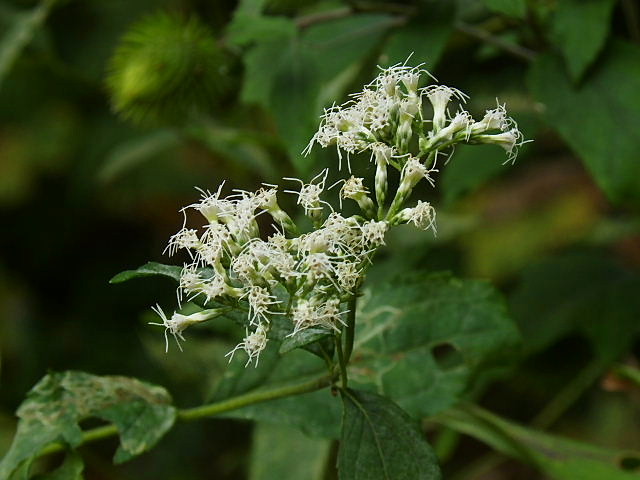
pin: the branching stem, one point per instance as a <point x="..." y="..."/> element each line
<point x="209" y="410"/>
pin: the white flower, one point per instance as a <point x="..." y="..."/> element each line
<point x="414" y="171"/>
<point x="509" y="140"/>
<point x="373" y="233"/>
<point x="184" y="239"/>
<point x="423" y="216"/>
<point x="324" y="313"/>
<point x="260" y="300"/>
<point x="440" y="96"/>
<point x="211" y="206"/>
<point x="309" y="194"/>
<point x="178" y="322"/>
<point x="253" y="344"/>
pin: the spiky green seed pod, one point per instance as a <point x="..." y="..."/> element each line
<point x="167" y="67"/>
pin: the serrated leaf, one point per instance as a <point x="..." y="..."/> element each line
<point x="57" y="404"/>
<point x="380" y="441"/>
<point x="512" y="8"/>
<point x="580" y="29"/>
<point x="597" y="121"/>
<point x="557" y="457"/>
<point x="426" y="340"/>
<point x="20" y="33"/>
<point x="282" y="453"/>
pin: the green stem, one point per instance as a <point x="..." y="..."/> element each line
<point x="209" y="410"/>
<point x="350" y="329"/>
<point x="341" y="361"/>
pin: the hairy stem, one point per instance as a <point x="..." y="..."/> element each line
<point x="209" y="410"/>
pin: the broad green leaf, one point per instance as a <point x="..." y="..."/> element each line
<point x="293" y="100"/>
<point x="338" y="44"/>
<point x="132" y="153"/>
<point x="380" y="441"/>
<point x="426" y="340"/>
<point x="282" y="453"/>
<point x="71" y="469"/>
<point x="292" y="74"/>
<point x="316" y="413"/>
<point x="598" y="119"/>
<point x="582" y="291"/>
<point x="424" y="37"/>
<point x="20" y="33"/>
<point x="580" y="29"/>
<point x="513" y="8"/>
<point x="557" y="457"/>
<point x="250" y="26"/>
<point x="56" y="405"/>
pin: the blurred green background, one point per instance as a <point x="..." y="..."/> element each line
<point x="111" y="112"/>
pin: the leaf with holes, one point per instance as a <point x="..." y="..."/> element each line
<point x="380" y="441"/>
<point x="426" y="340"/>
<point x="57" y="404"/>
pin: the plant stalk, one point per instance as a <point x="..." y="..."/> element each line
<point x="209" y="410"/>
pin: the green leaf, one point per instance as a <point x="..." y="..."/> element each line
<point x="582" y="291"/>
<point x="150" y="269"/>
<point x="56" y="405"/>
<point x="557" y="457"/>
<point x="248" y="28"/>
<point x="580" y="29"/>
<point x="316" y="413"/>
<point x="380" y="441"/>
<point x="470" y="168"/>
<point x="513" y="8"/>
<point x="425" y="35"/>
<point x="20" y="33"/>
<point x="135" y="151"/>
<point x="281" y="453"/>
<point x="598" y="119"/>
<point x="285" y="73"/>
<point x="426" y="340"/>
<point x="303" y="338"/>
<point x="71" y="469"/>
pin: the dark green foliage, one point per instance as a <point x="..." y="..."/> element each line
<point x="597" y="119"/>
<point x="234" y="90"/>
<point x="436" y="337"/>
<point x="167" y="68"/>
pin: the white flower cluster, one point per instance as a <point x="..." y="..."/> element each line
<point x="310" y="277"/>
<point x="307" y="276"/>
<point x="389" y="111"/>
